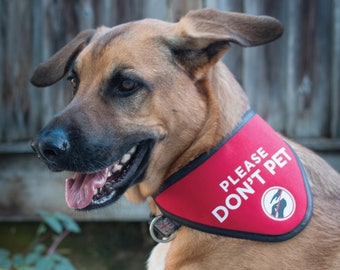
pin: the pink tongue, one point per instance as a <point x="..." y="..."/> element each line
<point x="80" y="189"/>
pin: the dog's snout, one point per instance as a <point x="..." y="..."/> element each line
<point x="51" y="145"/>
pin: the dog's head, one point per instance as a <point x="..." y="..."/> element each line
<point x="146" y="96"/>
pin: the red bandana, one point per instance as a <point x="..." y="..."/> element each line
<point x="252" y="185"/>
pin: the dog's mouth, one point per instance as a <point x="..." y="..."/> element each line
<point x="87" y="191"/>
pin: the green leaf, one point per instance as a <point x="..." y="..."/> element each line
<point x="64" y="264"/>
<point x="51" y="221"/>
<point x="68" y="222"/>
<point x="41" y="229"/>
<point x="18" y="260"/>
<point x="54" y="224"/>
<point x="45" y="263"/>
<point x="32" y="258"/>
<point x="39" y="249"/>
<point x="4" y="253"/>
<point x="5" y="263"/>
<point x="42" y="214"/>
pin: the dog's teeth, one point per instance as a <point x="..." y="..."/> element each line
<point x="95" y="191"/>
<point x="125" y="158"/>
<point x="117" y="168"/>
<point x="132" y="150"/>
<point x="109" y="174"/>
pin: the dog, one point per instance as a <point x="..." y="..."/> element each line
<point x="150" y="98"/>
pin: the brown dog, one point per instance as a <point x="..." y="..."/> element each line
<point x="150" y="97"/>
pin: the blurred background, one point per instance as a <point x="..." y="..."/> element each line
<point x="294" y="83"/>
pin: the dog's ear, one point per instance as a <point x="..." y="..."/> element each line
<point x="201" y="37"/>
<point x="57" y="66"/>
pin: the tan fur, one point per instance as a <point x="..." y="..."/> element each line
<point x="194" y="103"/>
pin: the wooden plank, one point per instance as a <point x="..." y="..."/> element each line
<point x="157" y="9"/>
<point x="16" y="66"/>
<point x="104" y="12"/>
<point x="233" y="57"/>
<point x="27" y="185"/>
<point x="320" y="144"/>
<point x="129" y="10"/>
<point x="34" y="95"/>
<point x="335" y="74"/>
<point x="313" y="103"/>
<point x="178" y="8"/>
<point x="262" y="69"/>
<point x="293" y="50"/>
<point x="2" y="71"/>
<point x="50" y="24"/>
<point x="86" y="16"/>
<point x="15" y="147"/>
<point x="54" y="36"/>
<point x="10" y="125"/>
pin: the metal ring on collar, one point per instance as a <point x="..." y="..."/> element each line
<point x="153" y="234"/>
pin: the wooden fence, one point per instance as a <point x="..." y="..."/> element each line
<point x="294" y="82"/>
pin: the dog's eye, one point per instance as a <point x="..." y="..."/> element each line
<point x="73" y="82"/>
<point x="128" y="86"/>
<point x="72" y="78"/>
<point x="124" y="83"/>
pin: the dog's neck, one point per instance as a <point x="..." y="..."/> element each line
<point x="224" y="93"/>
<point x="228" y="94"/>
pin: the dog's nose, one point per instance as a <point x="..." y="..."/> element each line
<point x="51" y="145"/>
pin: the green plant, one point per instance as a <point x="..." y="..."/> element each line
<point x="53" y="229"/>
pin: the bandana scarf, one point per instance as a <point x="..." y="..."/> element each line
<point x="252" y="185"/>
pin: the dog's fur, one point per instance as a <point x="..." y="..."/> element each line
<point x="191" y="102"/>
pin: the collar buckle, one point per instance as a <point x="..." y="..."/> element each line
<point x="163" y="229"/>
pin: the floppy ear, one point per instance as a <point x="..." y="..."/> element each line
<point x="56" y="67"/>
<point x="201" y="37"/>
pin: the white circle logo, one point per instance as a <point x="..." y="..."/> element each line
<point x="278" y="203"/>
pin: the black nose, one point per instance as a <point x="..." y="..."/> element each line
<point x="52" y="146"/>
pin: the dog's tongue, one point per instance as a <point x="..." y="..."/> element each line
<point x="80" y="189"/>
